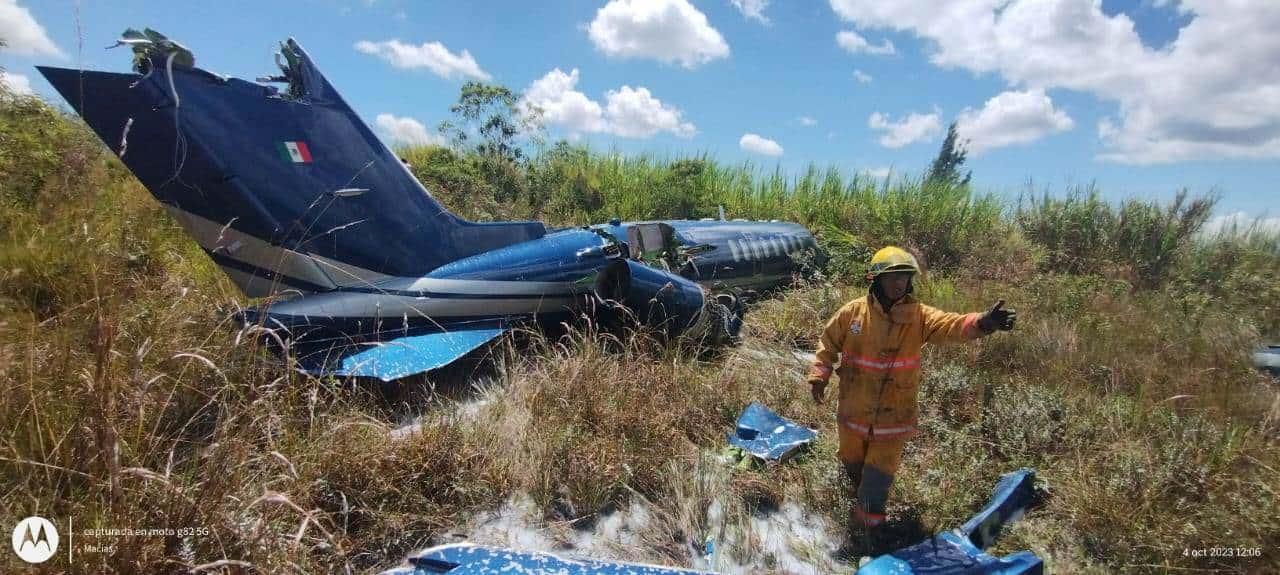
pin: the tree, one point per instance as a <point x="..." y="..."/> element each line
<point x="946" y="167"/>
<point x="489" y="123"/>
<point x="492" y="113"/>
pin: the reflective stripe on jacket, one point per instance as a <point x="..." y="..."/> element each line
<point x="879" y="360"/>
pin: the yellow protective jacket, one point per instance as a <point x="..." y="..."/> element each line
<point x="879" y="357"/>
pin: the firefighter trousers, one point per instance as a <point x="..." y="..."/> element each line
<point x="870" y="466"/>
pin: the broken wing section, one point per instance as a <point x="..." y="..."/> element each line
<point x="393" y="359"/>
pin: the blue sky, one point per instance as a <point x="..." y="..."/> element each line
<point x="1142" y="97"/>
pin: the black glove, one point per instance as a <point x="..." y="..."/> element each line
<point x="818" y="389"/>
<point x="997" y="318"/>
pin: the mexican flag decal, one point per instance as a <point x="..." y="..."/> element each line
<point x="294" y="152"/>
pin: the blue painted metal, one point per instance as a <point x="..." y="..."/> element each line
<point x="951" y="554"/>
<point x="662" y="298"/>
<point x="393" y="359"/>
<point x="467" y="559"/>
<point x="742" y="254"/>
<point x="567" y="255"/>
<point x="960" y="551"/>
<point x="1267" y="358"/>
<point x="369" y="254"/>
<point x="765" y="253"/>
<point x="227" y="167"/>
<point x="768" y="435"/>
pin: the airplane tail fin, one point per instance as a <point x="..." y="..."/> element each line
<point x="285" y="189"/>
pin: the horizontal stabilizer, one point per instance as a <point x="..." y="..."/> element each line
<point x="393" y="359"/>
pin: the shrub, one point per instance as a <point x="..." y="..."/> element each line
<point x="1074" y="230"/>
<point x="1150" y="238"/>
<point x="42" y="151"/>
<point x="1236" y="270"/>
<point x="453" y="179"/>
<point x="1144" y="241"/>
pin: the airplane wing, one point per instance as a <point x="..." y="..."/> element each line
<point x="393" y="359"/>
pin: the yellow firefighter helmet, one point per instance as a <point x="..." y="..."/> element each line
<point x="892" y="259"/>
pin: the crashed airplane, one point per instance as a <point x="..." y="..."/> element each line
<point x="294" y="197"/>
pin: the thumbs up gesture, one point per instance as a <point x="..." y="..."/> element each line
<point x="998" y="318"/>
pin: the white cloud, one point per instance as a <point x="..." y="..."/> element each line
<point x="627" y="112"/>
<point x="753" y="9"/>
<point x="430" y="55"/>
<point x="560" y="104"/>
<point x="17" y="83"/>
<point x="1011" y="118"/>
<point x="806" y="121"/>
<point x="21" y="33"/>
<point x="760" y="145"/>
<point x="862" y="77"/>
<point x="854" y="43"/>
<point x="1241" y="222"/>
<point x="914" y="128"/>
<point x="407" y="131"/>
<point x="879" y="173"/>
<point x="1213" y="92"/>
<point x="635" y="113"/>
<point x="664" y="30"/>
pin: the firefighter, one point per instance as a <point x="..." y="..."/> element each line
<point x="877" y="340"/>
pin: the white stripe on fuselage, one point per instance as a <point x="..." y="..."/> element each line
<point x="328" y="273"/>
<point x="227" y="241"/>
<point x="476" y="287"/>
<point x="374" y="305"/>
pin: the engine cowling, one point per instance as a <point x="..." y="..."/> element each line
<point x="669" y="303"/>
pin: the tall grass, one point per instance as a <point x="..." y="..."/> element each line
<point x="569" y="185"/>
<point x="1235" y="269"/>
<point x="132" y="401"/>
<point x="1074" y="229"/>
<point x="1084" y="234"/>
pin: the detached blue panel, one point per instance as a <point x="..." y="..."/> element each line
<point x="467" y="559"/>
<point x="405" y="356"/>
<point x="768" y="435"/>
<point x="951" y="554"/>
<point x="960" y="551"/>
<point x="1014" y="493"/>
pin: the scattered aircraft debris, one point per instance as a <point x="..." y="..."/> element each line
<point x="296" y="199"/>
<point x="468" y="559"/>
<point x="955" y="552"/>
<point x="960" y="551"/>
<point x="769" y="436"/>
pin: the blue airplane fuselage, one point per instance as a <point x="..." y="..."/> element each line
<point x="298" y="201"/>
